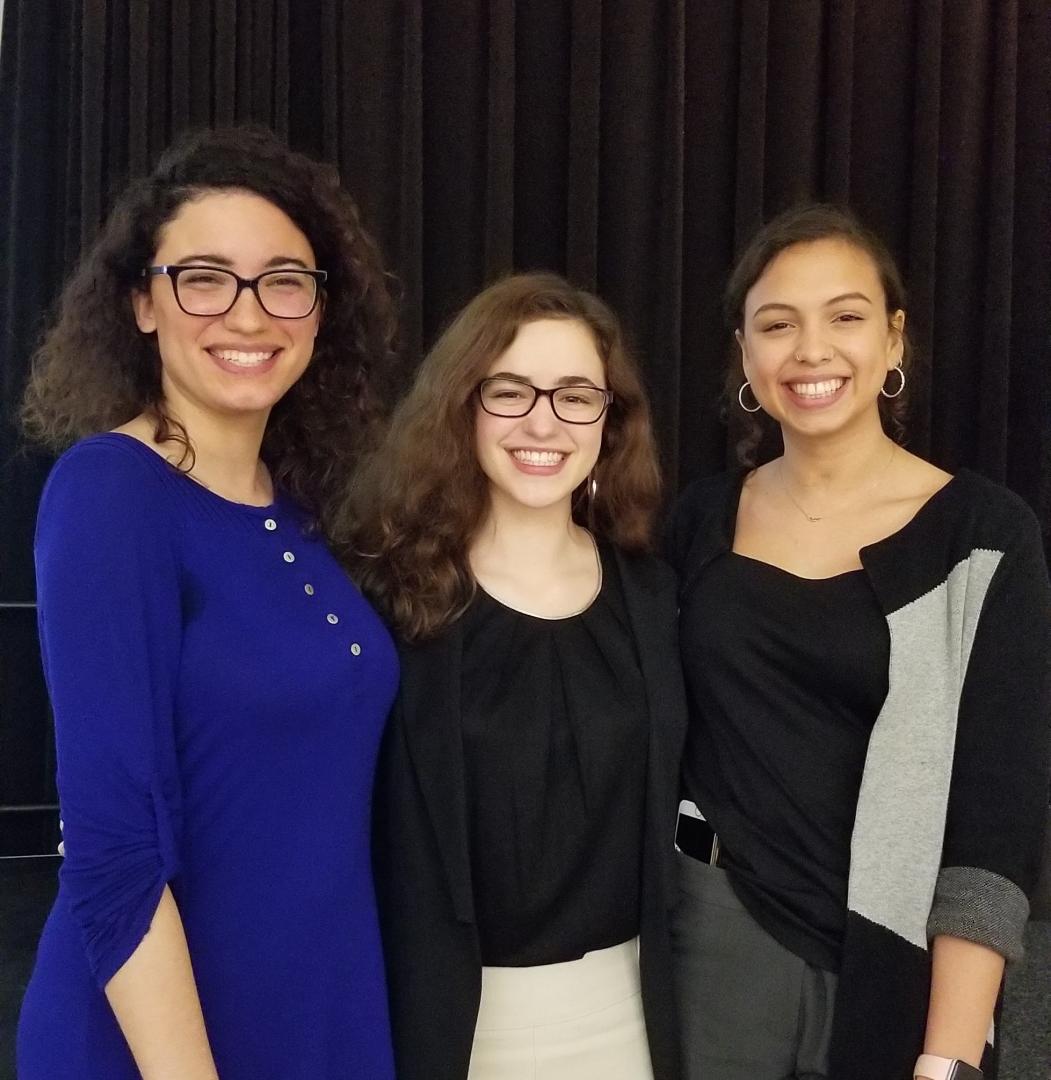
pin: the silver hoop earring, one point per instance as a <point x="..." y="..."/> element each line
<point x="901" y="386"/>
<point x="740" y="398"/>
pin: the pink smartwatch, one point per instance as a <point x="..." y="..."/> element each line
<point x="941" y="1068"/>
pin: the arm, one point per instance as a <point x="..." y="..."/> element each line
<point x="997" y="803"/>
<point x="109" y="597"/>
<point x="154" y="999"/>
<point x="965" y="981"/>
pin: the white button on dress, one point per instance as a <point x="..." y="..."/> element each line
<point x="308" y="589"/>
<point x="355" y="649"/>
<point x="270" y="524"/>
<point x="332" y="618"/>
<point x="288" y="557"/>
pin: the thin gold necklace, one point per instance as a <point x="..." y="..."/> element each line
<point x="814" y="518"/>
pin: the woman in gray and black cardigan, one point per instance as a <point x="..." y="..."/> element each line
<point x="867" y="647"/>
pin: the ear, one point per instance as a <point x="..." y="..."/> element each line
<point x="897" y="346"/>
<point x="142" y="305"/>
<point x="739" y="338"/>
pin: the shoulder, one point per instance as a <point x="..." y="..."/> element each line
<point x="703" y="516"/>
<point x="643" y="569"/>
<point x="107" y="482"/>
<point x="985" y="513"/>
<point x="109" y="462"/>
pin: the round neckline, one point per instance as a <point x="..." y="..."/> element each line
<point x="797" y="577"/>
<point x="169" y="469"/>
<point x="553" y="618"/>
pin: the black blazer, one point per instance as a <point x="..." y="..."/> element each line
<point x="420" y="846"/>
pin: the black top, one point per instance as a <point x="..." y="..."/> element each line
<point x="555" y="736"/>
<point x="786" y="676"/>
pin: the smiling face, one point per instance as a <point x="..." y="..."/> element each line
<point x="537" y="460"/>
<point x="816" y="339"/>
<point x="241" y="363"/>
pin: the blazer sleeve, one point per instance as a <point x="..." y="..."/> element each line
<point x="110" y="626"/>
<point x="998" y="798"/>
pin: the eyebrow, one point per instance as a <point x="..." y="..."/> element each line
<point x="566" y="380"/>
<point x="828" y="303"/>
<point x="222" y="260"/>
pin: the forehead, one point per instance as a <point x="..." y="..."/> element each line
<point x="546" y="350"/>
<point x="813" y="272"/>
<point x="240" y="226"/>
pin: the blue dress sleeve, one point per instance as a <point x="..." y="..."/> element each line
<point x="109" y="607"/>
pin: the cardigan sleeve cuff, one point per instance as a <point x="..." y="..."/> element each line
<point x="980" y="906"/>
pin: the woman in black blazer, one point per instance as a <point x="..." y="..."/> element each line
<point x="527" y="787"/>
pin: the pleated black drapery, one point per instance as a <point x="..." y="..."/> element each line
<point x="632" y="144"/>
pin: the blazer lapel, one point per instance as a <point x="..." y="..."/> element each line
<point x="651" y="609"/>
<point x="431" y="700"/>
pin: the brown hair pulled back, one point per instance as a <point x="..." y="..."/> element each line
<point x="805" y="224"/>
<point x="95" y="370"/>
<point x="421" y="498"/>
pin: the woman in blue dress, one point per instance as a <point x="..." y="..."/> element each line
<point x="219" y="686"/>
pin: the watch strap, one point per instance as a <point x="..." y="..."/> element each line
<point x="942" y="1068"/>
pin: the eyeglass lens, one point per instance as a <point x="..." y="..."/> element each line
<point x="286" y="294"/>
<point x="580" y="404"/>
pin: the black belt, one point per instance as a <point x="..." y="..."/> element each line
<point x="696" y="838"/>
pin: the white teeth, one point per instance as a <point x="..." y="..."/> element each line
<point x="817" y="389"/>
<point x="538" y="457"/>
<point x="242" y="359"/>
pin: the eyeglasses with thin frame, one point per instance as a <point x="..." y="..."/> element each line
<point x="208" y="290"/>
<point x="579" y="404"/>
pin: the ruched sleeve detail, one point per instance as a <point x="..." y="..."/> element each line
<point x="109" y="605"/>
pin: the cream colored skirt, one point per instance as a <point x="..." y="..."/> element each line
<point x="581" y="1020"/>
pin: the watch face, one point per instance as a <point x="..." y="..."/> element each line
<point x="962" y="1071"/>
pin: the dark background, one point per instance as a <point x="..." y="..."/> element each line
<point x="631" y="144"/>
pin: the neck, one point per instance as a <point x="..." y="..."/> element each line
<point x="226" y="453"/>
<point x="526" y="537"/>
<point x="837" y="462"/>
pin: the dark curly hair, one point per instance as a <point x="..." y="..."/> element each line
<point x="420" y="499"/>
<point x="805" y="224"/>
<point x="95" y="370"/>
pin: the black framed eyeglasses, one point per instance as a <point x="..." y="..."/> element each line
<point x="581" y="404"/>
<point x="207" y="290"/>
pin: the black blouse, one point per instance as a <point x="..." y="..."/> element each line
<point x="555" y="751"/>
<point x="786" y="676"/>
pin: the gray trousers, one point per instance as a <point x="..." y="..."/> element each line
<point x="750" y="1009"/>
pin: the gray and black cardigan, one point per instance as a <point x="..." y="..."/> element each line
<point x="949" y="827"/>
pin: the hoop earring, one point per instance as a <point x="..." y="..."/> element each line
<point x="901" y="387"/>
<point x="740" y="398"/>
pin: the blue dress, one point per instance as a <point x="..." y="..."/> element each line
<point x="219" y="689"/>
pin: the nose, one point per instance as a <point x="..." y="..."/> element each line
<point x="812" y="347"/>
<point x="541" y="421"/>
<point x="247" y="315"/>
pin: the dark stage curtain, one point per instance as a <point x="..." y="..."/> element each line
<point x="632" y="144"/>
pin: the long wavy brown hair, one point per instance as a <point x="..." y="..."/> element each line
<point x="804" y="224"/>
<point x="95" y="369"/>
<point x="420" y="500"/>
